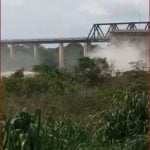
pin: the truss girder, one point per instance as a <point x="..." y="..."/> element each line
<point x="101" y="32"/>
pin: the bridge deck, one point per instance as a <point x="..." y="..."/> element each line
<point x="46" y="41"/>
<point x="52" y="41"/>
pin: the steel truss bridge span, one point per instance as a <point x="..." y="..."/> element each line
<point x="102" y="31"/>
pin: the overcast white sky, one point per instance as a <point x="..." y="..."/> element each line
<point x="65" y="18"/>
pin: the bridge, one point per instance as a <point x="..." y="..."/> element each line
<point x="100" y="32"/>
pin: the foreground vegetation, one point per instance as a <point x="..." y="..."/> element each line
<point x="80" y="109"/>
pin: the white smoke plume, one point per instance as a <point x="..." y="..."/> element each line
<point x="121" y="54"/>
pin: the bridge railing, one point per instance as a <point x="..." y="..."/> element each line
<point x="101" y="32"/>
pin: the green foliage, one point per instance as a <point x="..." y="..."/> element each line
<point x="22" y="132"/>
<point x="128" y="117"/>
<point x="83" y="109"/>
<point x="124" y="126"/>
<point x="49" y="71"/>
<point x="18" y="74"/>
<point x="136" y="79"/>
<point x="91" y="71"/>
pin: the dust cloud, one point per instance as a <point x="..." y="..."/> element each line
<point x="122" y="54"/>
<point x="20" y="59"/>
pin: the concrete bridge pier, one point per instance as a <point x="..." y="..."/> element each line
<point x="61" y="55"/>
<point x="11" y="51"/>
<point x="87" y="49"/>
<point x="35" y="51"/>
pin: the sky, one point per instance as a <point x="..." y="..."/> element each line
<point x="65" y="18"/>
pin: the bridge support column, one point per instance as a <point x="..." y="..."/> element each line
<point x="11" y="51"/>
<point x="35" y="51"/>
<point x="87" y="48"/>
<point x="61" y="55"/>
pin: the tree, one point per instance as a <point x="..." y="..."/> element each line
<point x="91" y="71"/>
<point x="138" y="65"/>
<point x="18" y="74"/>
<point x="103" y="66"/>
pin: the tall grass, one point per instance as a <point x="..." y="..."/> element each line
<point x="122" y="126"/>
<point x="127" y="117"/>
